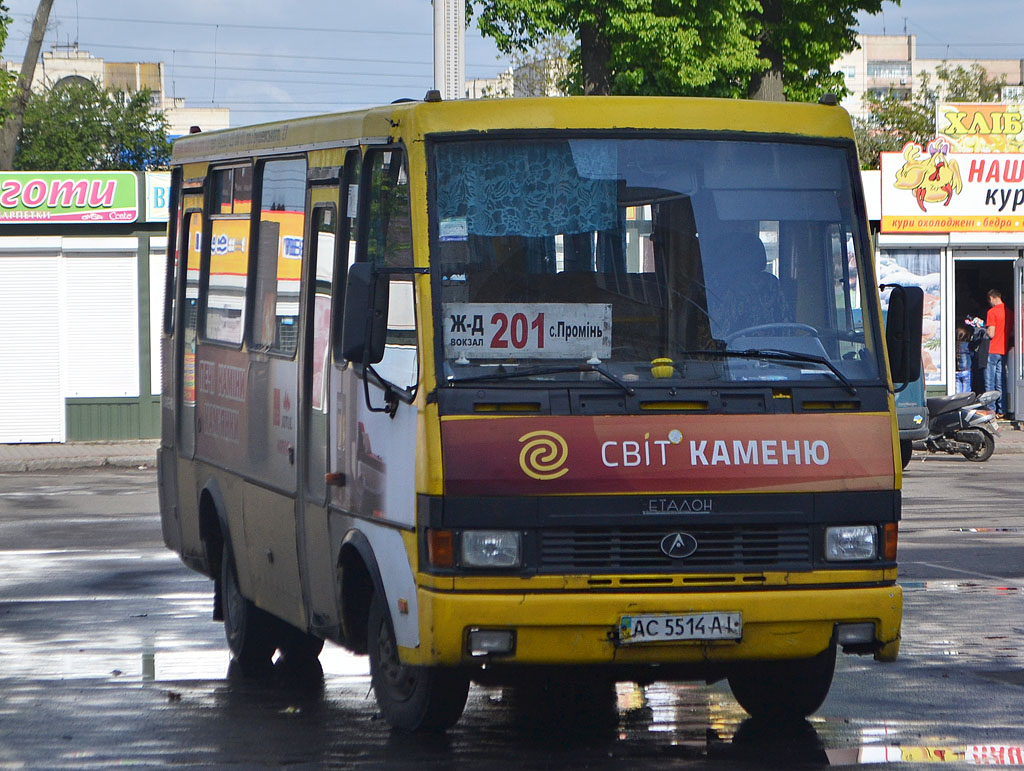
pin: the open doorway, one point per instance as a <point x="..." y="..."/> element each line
<point x="973" y="278"/>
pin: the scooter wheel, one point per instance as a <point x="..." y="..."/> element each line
<point x="983" y="453"/>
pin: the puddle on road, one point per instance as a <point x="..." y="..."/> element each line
<point x="148" y="649"/>
<point x="950" y="585"/>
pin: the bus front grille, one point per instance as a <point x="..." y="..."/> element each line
<point x="722" y="547"/>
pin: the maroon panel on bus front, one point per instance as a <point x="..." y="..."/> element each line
<point x="666" y="453"/>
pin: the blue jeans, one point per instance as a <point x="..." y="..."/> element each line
<point x="995" y="377"/>
<point x="963" y="381"/>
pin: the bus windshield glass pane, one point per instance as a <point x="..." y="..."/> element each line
<point x="733" y="260"/>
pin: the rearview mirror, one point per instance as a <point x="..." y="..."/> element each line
<point x="903" y="332"/>
<point x="364" y="329"/>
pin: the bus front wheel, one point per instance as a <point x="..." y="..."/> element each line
<point x="249" y="630"/>
<point x="784" y="690"/>
<point x="410" y="698"/>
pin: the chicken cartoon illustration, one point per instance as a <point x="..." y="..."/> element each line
<point x="930" y="178"/>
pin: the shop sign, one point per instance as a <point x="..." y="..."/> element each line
<point x="31" y="197"/>
<point x="158" y="193"/>
<point x="981" y="128"/>
<point x="934" y="190"/>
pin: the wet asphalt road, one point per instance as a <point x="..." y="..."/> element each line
<point x="108" y="657"/>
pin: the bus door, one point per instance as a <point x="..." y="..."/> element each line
<point x="167" y="466"/>
<point x="374" y="446"/>
<point x="187" y="321"/>
<point x="318" y="300"/>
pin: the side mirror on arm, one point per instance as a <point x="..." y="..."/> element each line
<point x="365" y="323"/>
<point x="903" y="332"/>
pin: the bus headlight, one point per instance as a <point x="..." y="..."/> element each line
<point x="851" y="543"/>
<point x="490" y="549"/>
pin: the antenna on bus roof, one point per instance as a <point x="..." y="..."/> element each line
<point x="433" y="95"/>
<point x="194" y="130"/>
<point x="829" y="99"/>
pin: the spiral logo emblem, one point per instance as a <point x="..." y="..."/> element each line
<point x="543" y="455"/>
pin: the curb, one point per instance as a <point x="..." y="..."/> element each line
<point x="63" y="464"/>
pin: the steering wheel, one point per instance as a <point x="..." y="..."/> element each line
<point x="790" y="326"/>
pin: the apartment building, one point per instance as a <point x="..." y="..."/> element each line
<point x="889" y="63"/>
<point x="66" y="63"/>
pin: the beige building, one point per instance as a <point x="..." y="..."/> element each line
<point x="885" y="63"/>
<point x="537" y="77"/>
<point x="65" y="64"/>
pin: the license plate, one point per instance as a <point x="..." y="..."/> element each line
<point x="694" y="626"/>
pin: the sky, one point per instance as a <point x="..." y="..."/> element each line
<point x="269" y="60"/>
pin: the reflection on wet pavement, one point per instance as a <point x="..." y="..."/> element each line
<point x="150" y="654"/>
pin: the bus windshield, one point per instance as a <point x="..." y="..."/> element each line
<point x="725" y="259"/>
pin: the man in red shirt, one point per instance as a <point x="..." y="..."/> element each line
<point x="995" y="323"/>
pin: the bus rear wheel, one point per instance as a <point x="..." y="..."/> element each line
<point x="410" y="698"/>
<point x="784" y="690"/>
<point x="249" y="630"/>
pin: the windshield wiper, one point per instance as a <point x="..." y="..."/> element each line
<point x="549" y="370"/>
<point x="784" y="357"/>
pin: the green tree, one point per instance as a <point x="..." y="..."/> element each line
<point x="8" y="80"/>
<point x="766" y="49"/>
<point x="81" y="126"/>
<point x="630" y="46"/>
<point x="893" y="120"/>
<point x="799" y="41"/>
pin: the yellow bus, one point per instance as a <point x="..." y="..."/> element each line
<point x="537" y="391"/>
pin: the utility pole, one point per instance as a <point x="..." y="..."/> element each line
<point x="450" y="48"/>
<point x="23" y="88"/>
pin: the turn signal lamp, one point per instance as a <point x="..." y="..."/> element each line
<point x="441" y="548"/>
<point x="892" y="537"/>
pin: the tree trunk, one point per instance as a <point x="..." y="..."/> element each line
<point x="595" y="53"/>
<point x="767" y="85"/>
<point x="12" y="125"/>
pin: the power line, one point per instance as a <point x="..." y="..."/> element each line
<point x="264" y="55"/>
<point x="275" y="28"/>
<point x="305" y="72"/>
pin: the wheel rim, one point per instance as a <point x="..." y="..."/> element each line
<point x="399" y="679"/>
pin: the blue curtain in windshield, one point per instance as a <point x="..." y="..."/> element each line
<point x="526" y="188"/>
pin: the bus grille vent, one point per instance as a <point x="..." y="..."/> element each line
<point x="722" y="547"/>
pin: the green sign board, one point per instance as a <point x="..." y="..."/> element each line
<point x="36" y="197"/>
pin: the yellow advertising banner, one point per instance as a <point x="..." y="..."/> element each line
<point x="981" y="128"/>
<point x="935" y="190"/>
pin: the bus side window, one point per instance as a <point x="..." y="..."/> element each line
<point x="193" y="249"/>
<point x="174" y="249"/>
<point x="348" y="233"/>
<point x="228" y="275"/>
<point x="389" y="245"/>
<point x="282" y="198"/>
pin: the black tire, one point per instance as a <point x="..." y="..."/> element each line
<point x="906" y="451"/>
<point x="249" y="630"/>
<point x="299" y="663"/>
<point x="787" y="690"/>
<point x="983" y="453"/>
<point x="410" y="698"/>
<point x="298" y="644"/>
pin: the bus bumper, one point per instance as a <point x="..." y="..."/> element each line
<point x="562" y="629"/>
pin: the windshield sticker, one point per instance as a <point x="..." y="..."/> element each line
<point x="454" y="229"/>
<point x="527" y="330"/>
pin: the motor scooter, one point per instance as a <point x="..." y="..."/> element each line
<point x="962" y="423"/>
